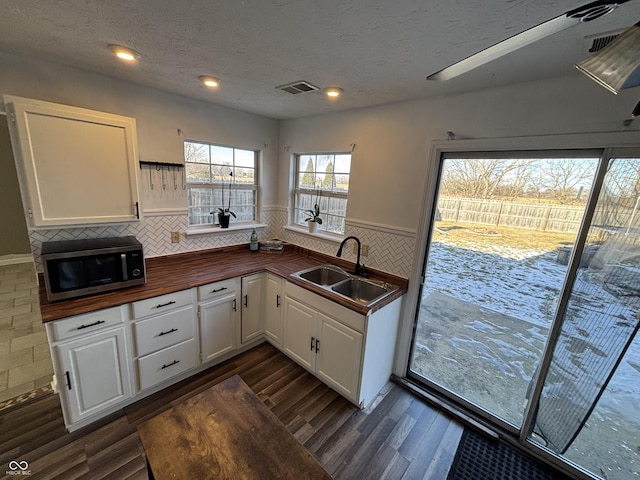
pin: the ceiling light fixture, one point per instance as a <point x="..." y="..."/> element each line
<point x="616" y="66"/>
<point x="333" y="92"/>
<point x="209" y="81"/>
<point x="124" y="53"/>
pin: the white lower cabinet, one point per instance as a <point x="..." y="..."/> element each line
<point x="350" y="352"/>
<point x="92" y="369"/>
<point x="166" y="363"/>
<point x="108" y="358"/>
<point x="252" y="303"/>
<point x="164" y="337"/>
<point x="299" y="330"/>
<point x="217" y="327"/>
<point x="219" y="319"/>
<point x="273" y="307"/>
<point x="338" y="356"/>
<point x="324" y="346"/>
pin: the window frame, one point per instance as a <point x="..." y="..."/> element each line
<point x="296" y="190"/>
<point x="216" y="185"/>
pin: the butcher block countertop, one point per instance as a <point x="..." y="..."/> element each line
<point x="182" y="271"/>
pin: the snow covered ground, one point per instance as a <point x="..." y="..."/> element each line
<point x="525" y="285"/>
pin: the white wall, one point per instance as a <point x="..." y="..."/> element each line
<point x="158" y="116"/>
<point x="393" y="168"/>
<point x="390" y="162"/>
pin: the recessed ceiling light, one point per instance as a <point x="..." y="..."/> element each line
<point x="124" y="53"/>
<point x="211" y="82"/>
<point x="333" y="92"/>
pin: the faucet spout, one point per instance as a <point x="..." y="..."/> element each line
<point x="360" y="269"/>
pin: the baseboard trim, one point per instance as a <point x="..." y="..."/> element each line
<point x="16" y="258"/>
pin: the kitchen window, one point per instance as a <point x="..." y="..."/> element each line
<point x="322" y="178"/>
<point x="216" y="170"/>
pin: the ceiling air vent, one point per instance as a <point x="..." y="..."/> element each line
<point x="298" y="87"/>
<point x="595" y="43"/>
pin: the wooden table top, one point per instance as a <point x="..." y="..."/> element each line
<point x="225" y="432"/>
<point x="182" y="271"/>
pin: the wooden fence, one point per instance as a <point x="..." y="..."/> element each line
<point x="553" y="218"/>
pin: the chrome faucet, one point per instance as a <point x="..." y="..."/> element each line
<point x="360" y="270"/>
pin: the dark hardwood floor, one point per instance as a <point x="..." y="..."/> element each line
<point x="399" y="437"/>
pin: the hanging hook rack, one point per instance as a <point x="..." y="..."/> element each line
<point x="160" y="166"/>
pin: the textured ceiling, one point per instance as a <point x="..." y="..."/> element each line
<point x="378" y="51"/>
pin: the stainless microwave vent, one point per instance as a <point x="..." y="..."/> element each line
<point x="301" y="86"/>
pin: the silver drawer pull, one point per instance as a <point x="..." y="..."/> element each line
<point x="216" y="290"/>
<point x="168" y="332"/>
<point x="170" y="364"/>
<point x="91" y="324"/>
<point x="165" y="304"/>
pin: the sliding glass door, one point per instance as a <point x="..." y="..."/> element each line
<point x="529" y="295"/>
<point x="585" y="405"/>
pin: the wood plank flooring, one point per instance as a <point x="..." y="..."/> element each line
<point x="399" y="437"/>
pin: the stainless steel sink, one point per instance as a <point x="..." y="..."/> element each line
<point x="325" y="275"/>
<point x="361" y="291"/>
<point x="333" y="279"/>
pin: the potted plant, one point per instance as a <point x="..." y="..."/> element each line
<point x="313" y="216"/>
<point x="225" y="214"/>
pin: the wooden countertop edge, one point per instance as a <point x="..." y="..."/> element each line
<point x="238" y="261"/>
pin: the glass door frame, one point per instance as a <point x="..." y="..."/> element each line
<point x="611" y="145"/>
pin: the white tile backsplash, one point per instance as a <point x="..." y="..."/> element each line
<point x="389" y="250"/>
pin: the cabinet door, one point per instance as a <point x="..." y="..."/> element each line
<point x="298" y="339"/>
<point x="273" y="308"/>
<point x="339" y="354"/>
<point x="252" y="324"/>
<point x="218" y="319"/>
<point x="93" y="373"/>
<point x="75" y="166"/>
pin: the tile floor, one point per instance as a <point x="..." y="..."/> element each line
<point x="25" y="359"/>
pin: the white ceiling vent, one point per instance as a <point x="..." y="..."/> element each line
<point x="300" y="86"/>
<point x="595" y="43"/>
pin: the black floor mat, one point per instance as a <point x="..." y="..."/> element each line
<point x="479" y="458"/>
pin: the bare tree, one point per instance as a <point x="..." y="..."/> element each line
<point x="485" y="178"/>
<point x="563" y="177"/>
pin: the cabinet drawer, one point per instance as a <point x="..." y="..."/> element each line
<point x="160" y="304"/>
<point x="217" y="289"/>
<point x="166" y="363"/>
<point x="163" y="330"/>
<point x="85" y="324"/>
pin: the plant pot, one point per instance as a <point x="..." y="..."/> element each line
<point x="312" y="227"/>
<point x="223" y="220"/>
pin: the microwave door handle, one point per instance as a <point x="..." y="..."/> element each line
<point x="123" y="261"/>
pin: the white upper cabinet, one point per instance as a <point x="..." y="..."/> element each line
<point x="75" y="166"/>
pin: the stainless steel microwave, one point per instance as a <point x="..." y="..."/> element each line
<point x="75" y="268"/>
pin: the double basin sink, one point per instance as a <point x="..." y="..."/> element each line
<point x="332" y="278"/>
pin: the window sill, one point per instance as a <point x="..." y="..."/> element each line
<point x="332" y="237"/>
<point x="216" y="230"/>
